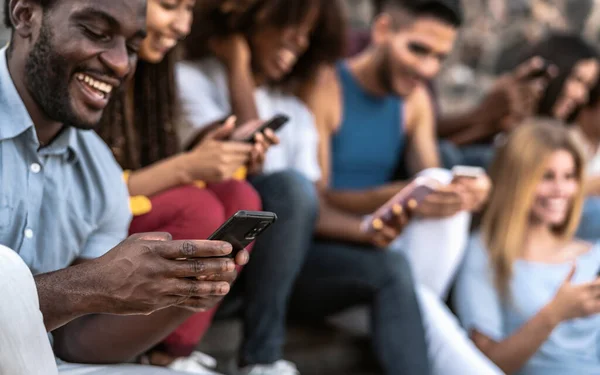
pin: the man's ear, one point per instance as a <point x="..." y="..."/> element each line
<point x="381" y="29"/>
<point x="26" y="17"/>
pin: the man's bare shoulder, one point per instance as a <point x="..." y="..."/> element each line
<point x="323" y="97"/>
<point x="416" y="103"/>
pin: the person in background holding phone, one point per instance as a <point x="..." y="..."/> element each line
<point x="373" y="108"/>
<point x="187" y="194"/>
<point x="258" y="53"/>
<point x="64" y="207"/>
<point x="467" y="137"/>
<point x="274" y="49"/>
<point x="528" y="291"/>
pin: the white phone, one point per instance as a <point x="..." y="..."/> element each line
<point x="463" y="171"/>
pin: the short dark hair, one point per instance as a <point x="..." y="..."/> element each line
<point x="564" y="50"/>
<point x="7" y="21"/>
<point x="448" y="11"/>
<point x="327" y="41"/>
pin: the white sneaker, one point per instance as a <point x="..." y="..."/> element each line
<point x="278" y="368"/>
<point x="196" y="363"/>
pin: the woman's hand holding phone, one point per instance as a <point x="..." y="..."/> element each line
<point x="215" y="159"/>
<point x="262" y="142"/>
<point x="445" y="201"/>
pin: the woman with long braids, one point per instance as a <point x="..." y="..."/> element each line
<point x="187" y="194"/>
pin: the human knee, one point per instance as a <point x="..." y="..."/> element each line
<point x="291" y="189"/>
<point x="240" y="195"/>
<point x="16" y="276"/>
<point x="395" y="269"/>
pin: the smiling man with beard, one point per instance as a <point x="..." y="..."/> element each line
<point x="64" y="206"/>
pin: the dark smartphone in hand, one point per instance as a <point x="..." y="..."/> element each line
<point x="243" y="228"/>
<point x="540" y="72"/>
<point x="247" y="135"/>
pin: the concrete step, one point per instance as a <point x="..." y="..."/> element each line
<point x="317" y="349"/>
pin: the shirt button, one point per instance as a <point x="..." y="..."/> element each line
<point x="35" y="168"/>
<point x="28" y="233"/>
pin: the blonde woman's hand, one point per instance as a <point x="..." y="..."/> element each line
<point x="575" y="301"/>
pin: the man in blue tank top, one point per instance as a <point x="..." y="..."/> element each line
<point x="373" y="110"/>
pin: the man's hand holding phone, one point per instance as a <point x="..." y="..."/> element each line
<point x="382" y="234"/>
<point x="388" y="222"/>
<point x="150" y="272"/>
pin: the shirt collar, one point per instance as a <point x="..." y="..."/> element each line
<point x="15" y="119"/>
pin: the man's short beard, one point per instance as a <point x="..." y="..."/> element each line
<point x="47" y="79"/>
<point x="384" y="70"/>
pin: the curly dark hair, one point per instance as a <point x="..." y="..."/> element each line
<point x="142" y="131"/>
<point x="327" y="44"/>
<point x="564" y="50"/>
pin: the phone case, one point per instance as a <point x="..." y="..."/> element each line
<point x="243" y="228"/>
<point x="274" y="124"/>
<point x="468" y="172"/>
<point x="408" y="198"/>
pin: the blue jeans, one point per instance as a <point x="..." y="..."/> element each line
<point x="276" y="261"/>
<point x="338" y="276"/>
<point x="589" y="228"/>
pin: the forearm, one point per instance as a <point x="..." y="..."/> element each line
<point x="241" y="91"/>
<point x="159" y="177"/>
<point x="334" y="224"/>
<point x="515" y="351"/>
<point x="65" y="295"/>
<point x="362" y="202"/>
<point x="108" y="339"/>
<point x="479" y="132"/>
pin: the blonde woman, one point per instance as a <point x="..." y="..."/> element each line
<point x="528" y="293"/>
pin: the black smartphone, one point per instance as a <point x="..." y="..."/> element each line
<point x="243" y="228"/>
<point x="540" y="72"/>
<point x="247" y="135"/>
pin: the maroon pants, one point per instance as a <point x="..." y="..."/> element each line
<point x="190" y="213"/>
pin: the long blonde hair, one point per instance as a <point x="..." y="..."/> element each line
<point x="516" y="171"/>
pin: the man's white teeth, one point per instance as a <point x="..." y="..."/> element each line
<point x="95" y="84"/>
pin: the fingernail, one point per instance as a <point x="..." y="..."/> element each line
<point x="230" y="266"/>
<point x="224" y="289"/>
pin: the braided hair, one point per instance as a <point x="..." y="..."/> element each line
<point x="140" y="125"/>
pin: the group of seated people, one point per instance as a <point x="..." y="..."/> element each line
<point x="117" y="163"/>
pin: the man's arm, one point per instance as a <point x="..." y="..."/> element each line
<point x="143" y="282"/>
<point x="110" y="339"/>
<point x="422" y="151"/>
<point x="465" y="128"/>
